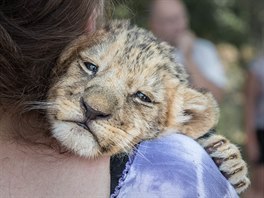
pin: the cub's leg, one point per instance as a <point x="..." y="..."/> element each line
<point x="228" y="159"/>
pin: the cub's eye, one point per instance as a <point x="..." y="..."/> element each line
<point x="142" y="97"/>
<point x="91" y="67"/>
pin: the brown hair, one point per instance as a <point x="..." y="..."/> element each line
<point x="32" y="36"/>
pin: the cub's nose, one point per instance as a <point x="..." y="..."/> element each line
<point x="92" y="114"/>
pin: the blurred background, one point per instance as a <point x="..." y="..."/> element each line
<point x="236" y="28"/>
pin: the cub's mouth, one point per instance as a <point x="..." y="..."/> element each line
<point x="85" y="126"/>
<point x="94" y="138"/>
<point x="87" y="131"/>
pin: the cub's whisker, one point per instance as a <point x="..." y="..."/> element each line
<point x="39" y="105"/>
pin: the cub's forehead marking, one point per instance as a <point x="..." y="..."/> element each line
<point x="134" y="49"/>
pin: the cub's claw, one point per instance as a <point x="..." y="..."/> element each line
<point x="228" y="159"/>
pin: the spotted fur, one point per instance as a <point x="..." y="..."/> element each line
<point x="130" y="62"/>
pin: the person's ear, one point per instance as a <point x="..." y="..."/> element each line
<point x="191" y="112"/>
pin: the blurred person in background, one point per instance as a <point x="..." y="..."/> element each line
<point x="169" y="21"/>
<point x="255" y="125"/>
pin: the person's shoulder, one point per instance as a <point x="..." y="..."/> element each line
<point x="178" y="147"/>
<point x="179" y="141"/>
<point x="169" y="166"/>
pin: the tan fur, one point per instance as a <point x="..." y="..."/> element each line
<point x="228" y="158"/>
<point x="201" y="112"/>
<point x="129" y="60"/>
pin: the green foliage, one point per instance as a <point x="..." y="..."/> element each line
<point x="219" y="21"/>
<point x="216" y="20"/>
<point x="135" y="10"/>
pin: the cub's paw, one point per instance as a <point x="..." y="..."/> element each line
<point x="228" y="159"/>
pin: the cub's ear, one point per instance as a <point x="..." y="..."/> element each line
<point x="192" y="112"/>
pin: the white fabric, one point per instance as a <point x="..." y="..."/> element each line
<point x="257" y="68"/>
<point x="208" y="62"/>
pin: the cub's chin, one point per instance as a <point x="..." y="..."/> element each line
<point x="76" y="139"/>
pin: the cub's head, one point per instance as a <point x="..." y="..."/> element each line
<point x="119" y="88"/>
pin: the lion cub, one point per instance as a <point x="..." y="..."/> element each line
<point x="123" y="86"/>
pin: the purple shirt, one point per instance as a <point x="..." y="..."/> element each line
<point x="172" y="166"/>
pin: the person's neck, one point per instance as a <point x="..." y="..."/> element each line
<point x="5" y="124"/>
<point x="27" y="129"/>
